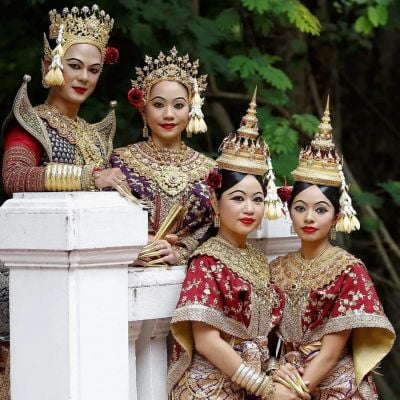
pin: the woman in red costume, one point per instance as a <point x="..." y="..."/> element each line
<point x="227" y="307"/>
<point x="48" y="147"/>
<point x="333" y="323"/>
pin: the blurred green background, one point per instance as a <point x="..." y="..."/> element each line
<point x="296" y="52"/>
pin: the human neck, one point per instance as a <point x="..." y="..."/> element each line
<point x="235" y="240"/>
<point x="69" y="109"/>
<point x="311" y="250"/>
<point x="174" y="144"/>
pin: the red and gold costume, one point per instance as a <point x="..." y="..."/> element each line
<point x="227" y="288"/>
<point x="46" y="150"/>
<point x="331" y="294"/>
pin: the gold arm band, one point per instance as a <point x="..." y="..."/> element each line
<point x="62" y="178"/>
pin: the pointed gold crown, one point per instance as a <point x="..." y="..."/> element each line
<point x="244" y="151"/>
<point x="169" y="68"/>
<point x="91" y="26"/>
<point x="318" y="163"/>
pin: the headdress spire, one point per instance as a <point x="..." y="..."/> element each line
<point x="322" y="165"/>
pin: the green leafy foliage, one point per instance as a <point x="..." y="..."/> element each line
<point x="369" y="223"/>
<point x="393" y="188"/>
<point x="280" y="136"/>
<point x="366" y="198"/>
<point x="300" y="16"/>
<point x="259" y="6"/>
<point x="307" y="122"/>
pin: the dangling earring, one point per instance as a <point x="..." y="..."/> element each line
<point x="145" y="128"/>
<point x="333" y="233"/>
<point x="216" y="221"/>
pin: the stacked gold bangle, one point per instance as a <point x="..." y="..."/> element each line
<point x="254" y="382"/>
<point x="87" y="178"/>
<point x="62" y="178"/>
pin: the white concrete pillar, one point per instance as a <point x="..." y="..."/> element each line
<point x="68" y="255"/>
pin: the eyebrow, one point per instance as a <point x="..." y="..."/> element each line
<point x="80" y="61"/>
<point x="318" y="202"/>
<point x="177" y="98"/>
<point x="241" y="191"/>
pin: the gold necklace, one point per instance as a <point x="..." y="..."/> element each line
<point x="306" y="265"/>
<point x="78" y="132"/>
<point x="171" y="179"/>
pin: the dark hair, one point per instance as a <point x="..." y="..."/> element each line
<point x="229" y="179"/>
<point x="332" y="193"/>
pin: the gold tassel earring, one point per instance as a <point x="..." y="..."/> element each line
<point x="217" y="221"/>
<point x="333" y="233"/>
<point x="145" y="128"/>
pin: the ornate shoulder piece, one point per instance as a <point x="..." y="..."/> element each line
<point x="26" y="116"/>
<point x="106" y="128"/>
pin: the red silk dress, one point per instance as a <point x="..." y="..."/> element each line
<point x="227" y="288"/>
<point x="331" y="294"/>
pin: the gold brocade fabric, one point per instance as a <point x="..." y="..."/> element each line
<point x="90" y="148"/>
<point x="172" y="178"/>
<point x="297" y="277"/>
<point x="250" y="263"/>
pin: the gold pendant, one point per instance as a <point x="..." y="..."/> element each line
<point x="172" y="180"/>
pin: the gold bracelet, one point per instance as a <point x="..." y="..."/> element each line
<point x="87" y="178"/>
<point x="238" y="372"/>
<point x="266" y="389"/>
<point x="62" y="177"/>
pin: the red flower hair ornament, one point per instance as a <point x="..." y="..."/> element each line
<point x="284" y="192"/>
<point x="111" y="56"/>
<point x="135" y="97"/>
<point x="214" y="180"/>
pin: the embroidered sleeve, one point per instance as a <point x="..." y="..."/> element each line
<point x="21" y="170"/>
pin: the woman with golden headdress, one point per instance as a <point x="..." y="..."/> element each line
<point x="162" y="169"/>
<point x="227" y="306"/>
<point x="333" y="322"/>
<point x="48" y="147"/>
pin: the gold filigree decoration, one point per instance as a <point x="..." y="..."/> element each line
<point x="77" y="132"/>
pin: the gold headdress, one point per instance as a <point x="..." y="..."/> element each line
<point x="172" y="68"/>
<point x="91" y="26"/>
<point x="246" y="152"/>
<point x="322" y="165"/>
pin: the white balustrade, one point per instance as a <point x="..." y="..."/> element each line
<point x="84" y="326"/>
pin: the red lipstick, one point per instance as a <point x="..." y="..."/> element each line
<point x="309" y="229"/>
<point x="247" y="221"/>
<point x="79" y="89"/>
<point x="168" y="126"/>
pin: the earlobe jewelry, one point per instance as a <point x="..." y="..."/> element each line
<point x="333" y="233"/>
<point x="217" y="221"/>
<point x="145" y="128"/>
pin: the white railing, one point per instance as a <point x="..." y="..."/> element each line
<point x="84" y="326"/>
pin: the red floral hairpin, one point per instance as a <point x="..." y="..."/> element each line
<point x="284" y="192"/>
<point x="214" y="179"/>
<point x="111" y="56"/>
<point x="135" y="97"/>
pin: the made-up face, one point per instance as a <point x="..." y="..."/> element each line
<point x="241" y="209"/>
<point x="312" y="215"/>
<point x="81" y="71"/>
<point x="167" y="112"/>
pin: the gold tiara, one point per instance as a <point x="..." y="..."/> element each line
<point x="171" y="68"/>
<point x="91" y="26"/>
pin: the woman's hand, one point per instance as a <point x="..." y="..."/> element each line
<point x="163" y="251"/>
<point x="288" y="373"/>
<point x="283" y="393"/>
<point x="110" y="177"/>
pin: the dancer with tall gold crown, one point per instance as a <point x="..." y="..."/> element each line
<point x="227" y="306"/>
<point x="162" y="169"/>
<point x="333" y="323"/>
<point x="48" y="147"/>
